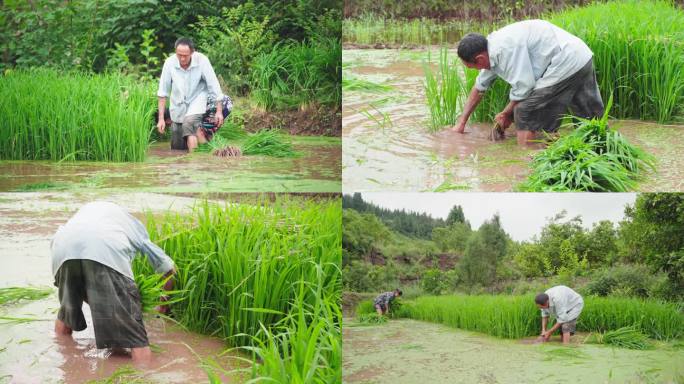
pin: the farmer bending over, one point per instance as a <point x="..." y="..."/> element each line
<point x="549" y="71"/>
<point x="383" y="301"/>
<point x="190" y="80"/>
<point x="91" y="262"/>
<point x="565" y="305"/>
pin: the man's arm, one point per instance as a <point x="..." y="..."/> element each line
<point x="553" y="329"/>
<point x="471" y="103"/>
<point x="505" y="117"/>
<point x="545" y="321"/>
<point x="161" y="122"/>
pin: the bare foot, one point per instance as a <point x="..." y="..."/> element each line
<point x="141" y="355"/>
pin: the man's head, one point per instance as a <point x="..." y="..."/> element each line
<point x="472" y="49"/>
<point x="542" y="300"/>
<point x="184" y="49"/>
<point x="397" y="292"/>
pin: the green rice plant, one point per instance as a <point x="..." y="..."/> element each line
<point x="372" y="318"/>
<point x="625" y="337"/>
<point x="445" y="91"/>
<point x="350" y="83"/>
<point x="386" y="121"/>
<point x="296" y="74"/>
<point x="517" y="316"/>
<point x="591" y="158"/>
<point x="11" y="295"/>
<point x="53" y="115"/>
<point x="374" y="29"/>
<point x="637" y="46"/>
<point x="267" y="142"/>
<point x="152" y="293"/>
<point x="240" y="267"/>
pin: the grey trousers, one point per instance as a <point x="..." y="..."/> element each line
<point x="179" y="131"/>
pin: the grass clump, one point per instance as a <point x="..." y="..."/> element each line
<point x="53" y="115"/>
<point x="372" y="318"/>
<point x="268" y="143"/>
<point x="297" y="74"/>
<point x="11" y="295"/>
<point x="591" y="158"/>
<point x="444" y="90"/>
<point x="152" y="293"/>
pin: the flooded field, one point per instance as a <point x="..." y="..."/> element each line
<point x="387" y="145"/>
<point x="30" y="352"/>
<point x="405" y="351"/>
<point x="317" y="169"/>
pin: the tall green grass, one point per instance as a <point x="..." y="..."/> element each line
<point x="592" y="157"/>
<point x="297" y="74"/>
<point x="52" y="115"/>
<point x="638" y="56"/>
<point x="517" y="316"/>
<point x="265" y="277"/>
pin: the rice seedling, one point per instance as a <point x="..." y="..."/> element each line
<point x="268" y="143"/>
<point x="152" y="293"/>
<point x="517" y="316"/>
<point x="373" y="29"/>
<point x="444" y="91"/>
<point x="293" y="75"/>
<point x="350" y="83"/>
<point x="52" y="115"/>
<point x="372" y="318"/>
<point x="591" y="158"/>
<point x="637" y="46"/>
<point x="12" y="295"/>
<point x="386" y="121"/>
<point x="248" y="273"/>
<point x="625" y="337"/>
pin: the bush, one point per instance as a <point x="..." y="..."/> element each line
<point x="625" y="280"/>
<point x="433" y="281"/>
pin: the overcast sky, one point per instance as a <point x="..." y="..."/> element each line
<point x="522" y="214"/>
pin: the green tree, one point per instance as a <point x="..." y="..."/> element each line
<point x="452" y="238"/>
<point x="455" y="215"/>
<point x="484" y="250"/>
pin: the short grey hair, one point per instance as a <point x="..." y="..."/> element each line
<point x="185" y="41"/>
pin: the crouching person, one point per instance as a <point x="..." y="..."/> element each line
<point x="384" y="300"/>
<point x="91" y="262"/>
<point x="565" y="305"/>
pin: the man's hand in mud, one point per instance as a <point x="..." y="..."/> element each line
<point x="161" y="125"/>
<point x="459" y="127"/>
<point x="503" y="119"/>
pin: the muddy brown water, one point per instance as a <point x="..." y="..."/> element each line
<point x="409" y="351"/>
<point x="30" y="352"/>
<point x="405" y="156"/>
<point x="316" y="170"/>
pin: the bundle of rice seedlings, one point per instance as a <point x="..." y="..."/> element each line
<point x="626" y="337"/>
<point x="591" y="158"/>
<point x="152" y="292"/>
<point x="269" y="143"/>
<point x="372" y="318"/>
<point x="12" y="295"/>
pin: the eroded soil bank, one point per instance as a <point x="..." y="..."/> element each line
<point x="409" y="351"/>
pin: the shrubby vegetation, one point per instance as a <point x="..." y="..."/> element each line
<point x="641" y="257"/>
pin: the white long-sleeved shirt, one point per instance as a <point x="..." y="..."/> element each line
<point x="532" y="54"/>
<point x="564" y="304"/>
<point x="104" y="232"/>
<point x="188" y="88"/>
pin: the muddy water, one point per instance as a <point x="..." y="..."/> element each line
<point x="30" y="352"/>
<point x="409" y="351"/>
<point x="165" y="170"/>
<point x="404" y="156"/>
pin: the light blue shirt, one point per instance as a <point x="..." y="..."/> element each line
<point x="106" y="233"/>
<point x="564" y="304"/>
<point x="532" y="54"/>
<point x="188" y="88"/>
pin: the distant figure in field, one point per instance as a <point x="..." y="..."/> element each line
<point x="565" y="305"/>
<point x="549" y="70"/>
<point x="384" y="300"/>
<point x="189" y="79"/>
<point x="91" y="262"/>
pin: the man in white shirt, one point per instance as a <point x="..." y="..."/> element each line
<point x="91" y="261"/>
<point x="549" y="70"/>
<point x="189" y="79"/>
<point x="565" y="305"/>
